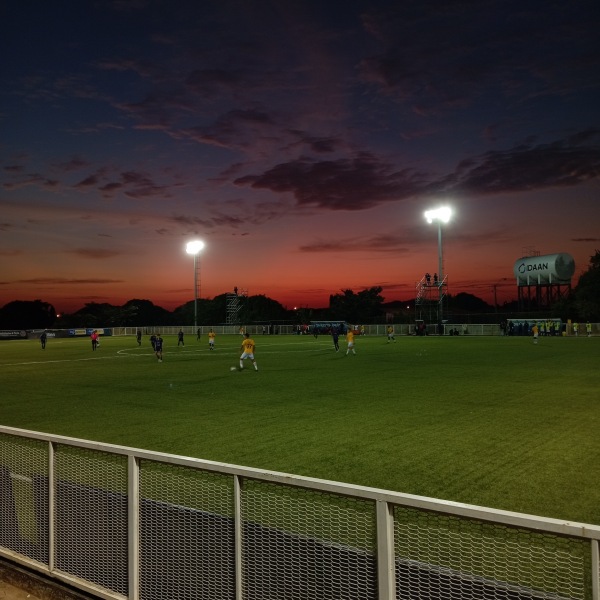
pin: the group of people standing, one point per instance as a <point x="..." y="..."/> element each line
<point x="157" y="342"/>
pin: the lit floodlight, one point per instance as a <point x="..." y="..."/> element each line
<point x="441" y="214"/>
<point x="194" y="247"/>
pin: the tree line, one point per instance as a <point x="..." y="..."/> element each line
<point x="365" y="306"/>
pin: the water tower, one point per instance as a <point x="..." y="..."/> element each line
<point x="543" y="280"/>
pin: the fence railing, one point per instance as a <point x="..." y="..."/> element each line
<point x="124" y="523"/>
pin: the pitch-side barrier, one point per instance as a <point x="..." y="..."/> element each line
<point x="122" y="523"/>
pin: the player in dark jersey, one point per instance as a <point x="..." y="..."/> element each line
<point x="158" y="347"/>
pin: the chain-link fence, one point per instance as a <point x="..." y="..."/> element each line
<point x="124" y="523"/>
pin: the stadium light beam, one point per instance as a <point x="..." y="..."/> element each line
<point x="194" y="248"/>
<point x="439" y="215"/>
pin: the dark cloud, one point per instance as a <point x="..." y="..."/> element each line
<point x="133" y="184"/>
<point x="32" y="179"/>
<point x="191" y="221"/>
<point x="212" y="82"/>
<point x="153" y="112"/>
<point x="322" y="145"/>
<point x="379" y="243"/>
<point x="64" y="281"/>
<point x="431" y="52"/>
<point x="74" y="164"/>
<point x="90" y="181"/>
<point x="210" y="223"/>
<point x="109" y="189"/>
<point x="141" y="186"/>
<point x="14" y="168"/>
<point x="228" y="173"/>
<point x="235" y="129"/>
<point x="232" y="221"/>
<point x="346" y="184"/>
<point x="585" y="239"/>
<point x="317" y="145"/>
<point x="527" y="167"/>
<point x="95" y="253"/>
<point x="402" y="243"/>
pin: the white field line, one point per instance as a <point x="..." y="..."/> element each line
<point x="135" y="353"/>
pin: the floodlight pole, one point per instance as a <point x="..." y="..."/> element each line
<point x="441" y="215"/>
<point x="195" y="291"/>
<point x="440" y="256"/>
<point x="194" y="248"/>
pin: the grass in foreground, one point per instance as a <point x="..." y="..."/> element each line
<point x="496" y="421"/>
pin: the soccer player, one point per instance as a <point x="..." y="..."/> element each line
<point x="211" y="339"/>
<point x="350" y="341"/>
<point x="180" y="338"/>
<point x="336" y="338"/>
<point x="588" y="328"/>
<point x="390" y="332"/>
<point x="43" y="339"/>
<point x="535" y="332"/>
<point x="158" y="347"/>
<point x="139" y="337"/>
<point x="94" y="338"/>
<point x="248" y="346"/>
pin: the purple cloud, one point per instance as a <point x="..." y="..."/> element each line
<point x="345" y="184"/>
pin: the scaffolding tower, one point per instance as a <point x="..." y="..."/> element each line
<point x="234" y="301"/>
<point x="429" y="301"/>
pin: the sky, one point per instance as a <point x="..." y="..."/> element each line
<point x="301" y="140"/>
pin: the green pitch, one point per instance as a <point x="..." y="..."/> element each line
<point x="492" y="421"/>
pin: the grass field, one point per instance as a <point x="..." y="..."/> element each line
<point x="492" y="421"/>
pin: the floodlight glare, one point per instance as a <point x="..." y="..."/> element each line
<point x="194" y="247"/>
<point x="441" y="214"/>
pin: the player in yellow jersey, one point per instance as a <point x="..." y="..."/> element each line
<point x="248" y="346"/>
<point x="390" y="334"/>
<point x="211" y="340"/>
<point x="350" y="341"/>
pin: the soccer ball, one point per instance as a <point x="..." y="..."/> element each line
<point x="233" y="368"/>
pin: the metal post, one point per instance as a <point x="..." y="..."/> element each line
<point x="133" y="526"/>
<point x="595" y="570"/>
<point x="386" y="573"/>
<point x="440" y="272"/>
<point x="195" y="291"/>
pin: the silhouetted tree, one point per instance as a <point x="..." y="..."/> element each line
<point x="356" y="308"/>
<point x="261" y="308"/>
<point x="468" y="303"/>
<point x="93" y="314"/>
<point x="586" y="296"/>
<point x="210" y="312"/>
<point x="138" y="313"/>
<point x="26" y="314"/>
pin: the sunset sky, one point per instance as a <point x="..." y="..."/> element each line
<point x="301" y="140"/>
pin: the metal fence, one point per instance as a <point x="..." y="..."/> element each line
<point x="122" y="523"/>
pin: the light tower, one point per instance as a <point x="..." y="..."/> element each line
<point x="440" y="215"/>
<point x="194" y="248"/>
